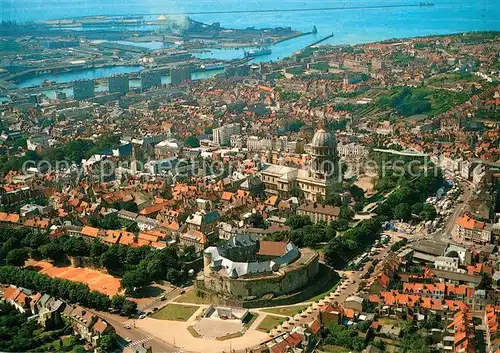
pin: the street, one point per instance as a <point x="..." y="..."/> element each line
<point x="136" y="335"/>
<point x="444" y="235"/>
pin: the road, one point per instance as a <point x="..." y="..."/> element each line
<point x="444" y="235"/>
<point x="137" y="336"/>
<point x="350" y="287"/>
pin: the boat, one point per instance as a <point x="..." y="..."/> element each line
<point x="252" y="53"/>
<point x="211" y="67"/>
<point x="427" y="3"/>
<point x="46" y="83"/>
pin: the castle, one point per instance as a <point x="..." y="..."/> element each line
<point x="246" y="268"/>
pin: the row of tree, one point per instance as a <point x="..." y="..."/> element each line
<point x="409" y="196"/>
<point x="343" y="248"/>
<point x="73" y="292"/>
<point x="138" y="267"/>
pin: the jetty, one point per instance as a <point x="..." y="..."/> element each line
<point x="320" y="41"/>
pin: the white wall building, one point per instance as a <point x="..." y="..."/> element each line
<point x="222" y="135"/>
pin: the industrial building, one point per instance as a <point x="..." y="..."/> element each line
<point x="83" y="89"/>
<point x="150" y="79"/>
<point x="118" y="84"/>
<point x="180" y="74"/>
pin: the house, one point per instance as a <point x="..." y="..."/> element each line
<point x="89" y="232"/>
<point x="330" y="314"/>
<point x="354" y="303"/>
<point x="17" y="298"/>
<point x="205" y="222"/>
<point x="194" y="238"/>
<point x="492" y="323"/>
<point x="145" y="223"/>
<point x="468" y="230"/>
<point x="86" y="324"/>
<point x="319" y="212"/>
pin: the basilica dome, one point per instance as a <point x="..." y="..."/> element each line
<point x="324" y="139"/>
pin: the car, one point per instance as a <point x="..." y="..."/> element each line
<point x="155" y="309"/>
<point x="127" y="327"/>
<point x="128" y="339"/>
<point x="142" y="316"/>
<point x="183" y="291"/>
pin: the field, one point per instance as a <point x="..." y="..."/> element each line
<point x="175" y="312"/>
<point x="287" y="311"/>
<point x="96" y="280"/>
<point x="190" y="297"/>
<point x="269" y="323"/>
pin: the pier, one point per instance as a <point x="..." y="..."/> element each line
<point x="320" y="41"/>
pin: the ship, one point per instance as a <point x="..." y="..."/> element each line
<point x="47" y="83"/>
<point x="211" y="67"/>
<point x="252" y="53"/>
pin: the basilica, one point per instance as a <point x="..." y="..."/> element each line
<point x="312" y="179"/>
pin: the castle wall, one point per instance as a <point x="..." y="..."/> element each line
<point x="288" y="280"/>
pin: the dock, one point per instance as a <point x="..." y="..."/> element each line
<point x="320" y="41"/>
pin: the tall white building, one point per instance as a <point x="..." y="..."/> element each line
<point x="222" y="135"/>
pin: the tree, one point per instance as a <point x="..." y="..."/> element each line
<point x="428" y="212"/>
<point x="298" y="221"/>
<point x="76" y="246"/>
<point x="17" y="257"/>
<point x="402" y="211"/>
<point x="129" y="308"/>
<point x="110" y="260"/>
<point x="135" y="279"/>
<point x="416" y="208"/>
<point x="192" y="141"/>
<point x="346" y="213"/>
<point x="339" y="225"/>
<point x="108" y="342"/>
<point x="256" y="220"/>
<point x="333" y="199"/>
<point x="117" y="302"/>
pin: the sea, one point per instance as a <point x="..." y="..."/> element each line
<point x="350" y="21"/>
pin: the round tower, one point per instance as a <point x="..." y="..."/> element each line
<point x="207" y="260"/>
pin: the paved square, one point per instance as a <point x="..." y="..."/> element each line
<point x="213" y="328"/>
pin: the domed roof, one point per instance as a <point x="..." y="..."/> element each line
<point x="323" y="139"/>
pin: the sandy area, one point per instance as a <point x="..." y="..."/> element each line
<point x="365" y="182"/>
<point x="96" y="280"/>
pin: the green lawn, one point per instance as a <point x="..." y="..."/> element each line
<point x="190" y="297"/>
<point x="175" y="312"/>
<point x="68" y="345"/>
<point x="335" y="349"/>
<point x="287" y="311"/>
<point x="269" y="323"/>
<point x="249" y="320"/>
